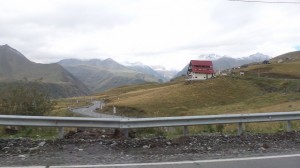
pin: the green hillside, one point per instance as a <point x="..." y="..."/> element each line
<point x="264" y="88"/>
<point x="218" y="96"/>
<point x="285" y="66"/>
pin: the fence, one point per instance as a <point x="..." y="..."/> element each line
<point x="130" y="123"/>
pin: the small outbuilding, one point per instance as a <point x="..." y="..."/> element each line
<point x="200" y="70"/>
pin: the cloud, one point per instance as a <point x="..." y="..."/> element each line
<point x="169" y="32"/>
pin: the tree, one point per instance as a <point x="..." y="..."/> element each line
<point x="25" y="98"/>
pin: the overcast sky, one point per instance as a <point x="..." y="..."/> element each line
<point x="154" y="32"/>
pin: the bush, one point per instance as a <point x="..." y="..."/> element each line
<point x="25" y="98"/>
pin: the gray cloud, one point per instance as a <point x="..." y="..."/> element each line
<point x="146" y="30"/>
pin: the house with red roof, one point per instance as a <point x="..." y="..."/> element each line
<point x="200" y="70"/>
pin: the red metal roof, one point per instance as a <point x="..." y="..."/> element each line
<point x="200" y="66"/>
<point x="201" y="62"/>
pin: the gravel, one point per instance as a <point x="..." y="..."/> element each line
<point x="92" y="147"/>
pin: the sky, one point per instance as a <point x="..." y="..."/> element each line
<point x="153" y="32"/>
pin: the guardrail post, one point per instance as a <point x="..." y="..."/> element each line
<point x="240" y="128"/>
<point x="61" y="132"/>
<point x="185" y="130"/>
<point x="126" y="132"/>
<point x="288" y="126"/>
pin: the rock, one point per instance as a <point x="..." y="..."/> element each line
<point x="262" y="148"/>
<point x="266" y="146"/>
<point x="22" y="156"/>
<point x="114" y="144"/>
<point x="42" y="143"/>
<point x="146" y="146"/>
<point x="33" y="149"/>
<point x="6" y="148"/>
<point x="168" y="143"/>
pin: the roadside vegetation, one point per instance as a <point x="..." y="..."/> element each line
<point x="27" y="98"/>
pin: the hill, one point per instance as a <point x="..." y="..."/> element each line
<point x="263" y="88"/>
<point x="14" y="66"/>
<point x="99" y="75"/>
<point x="217" y="96"/>
<point x="284" y="66"/>
<point x="288" y="57"/>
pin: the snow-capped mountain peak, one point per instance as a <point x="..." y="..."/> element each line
<point x="258" y="57"/>
<point x="210" y="56"/>
<point x="130" y="64"/>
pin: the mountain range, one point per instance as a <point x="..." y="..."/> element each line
<point x="99" y="75"/>
<point x="14" y="67"/>
<point x="81" y="77"/>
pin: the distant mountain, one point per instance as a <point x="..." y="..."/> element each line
<point x="167" y="74"/>
<point x="100" y="75"/>
<point x="210" y="56"/>
<point x="139" y="67"/>
<point x="229" y="62"/>
<point x="225" y="62"/>
<point x="14" y="66"/>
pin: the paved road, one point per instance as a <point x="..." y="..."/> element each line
<point x="89" y="111"/>
<point x="283" y="161"/>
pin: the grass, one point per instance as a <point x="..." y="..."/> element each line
<point x="282" y="70"/>
<point x="218" y="96"/>
<point x="224" y="95"/>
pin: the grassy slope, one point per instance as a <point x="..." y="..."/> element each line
<point x="224" y="95"/>
<point x="217" y="96"/>
<point x="283" y="66"/>
<point x="282" y="70"/>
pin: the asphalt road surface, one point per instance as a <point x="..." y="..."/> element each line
<point x="90" y="111"/>
<point x="281" y="161"/>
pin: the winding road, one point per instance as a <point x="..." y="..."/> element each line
<point x="90" y="111"/>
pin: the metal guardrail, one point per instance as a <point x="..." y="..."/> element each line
<point x="129" y="123"/>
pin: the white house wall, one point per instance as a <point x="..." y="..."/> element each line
<point x="199" y="76"/>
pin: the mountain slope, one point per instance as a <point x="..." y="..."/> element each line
<point x="285" y="66"/>
<point x="167" y="74"/>
<point x="139" y="67"/>
<point x="14" y="66"/>
<point x="100" y="75"/>
<point x="287" y="57"/>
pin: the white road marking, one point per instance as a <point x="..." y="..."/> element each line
<point x="166" y="163"/>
